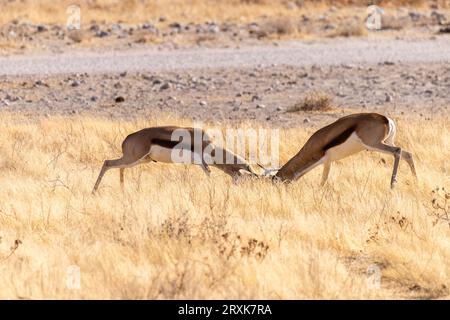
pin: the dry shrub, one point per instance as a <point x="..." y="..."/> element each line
<point x="352" y="29"/>
<point x="277" y="26"/>
<point x="76" y="35"/>
<point x="143" y="36"/>
<point x="391" y="22"/>
<point x="440" y="206"/>
<point x="314" y="101"/>
<point x="199" y="39"/>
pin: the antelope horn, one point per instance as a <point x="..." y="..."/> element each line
<point x="267" y="171"/>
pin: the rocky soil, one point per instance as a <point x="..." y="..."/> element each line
<point x="22" y="36"/>
<point x="262" y="94"/>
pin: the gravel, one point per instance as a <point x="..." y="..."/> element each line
<point x="295" y="53"/>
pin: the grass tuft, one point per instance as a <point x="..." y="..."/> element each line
<point x="314" y="101"/>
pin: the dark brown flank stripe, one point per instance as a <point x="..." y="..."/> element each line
<point x="169" y="144"/>
<point x="340" y="138"/>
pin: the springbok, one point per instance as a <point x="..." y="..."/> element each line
<point x="344" y="137"/>
<point x="157" y="144"/>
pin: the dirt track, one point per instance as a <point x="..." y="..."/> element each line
<point x="343" y="51"/>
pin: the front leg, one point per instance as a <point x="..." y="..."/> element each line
<point x="395" y="169"/>
<point x="326" y="172"/>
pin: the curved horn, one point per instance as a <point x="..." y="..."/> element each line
<point x="267" y="172"/>
<point x="249" y="168"/>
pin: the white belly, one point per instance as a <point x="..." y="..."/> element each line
<point x="168" y="155"/>
<point x="351" y="146"/>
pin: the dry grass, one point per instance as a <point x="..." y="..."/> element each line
<point x="173" y="233"/>
<point x="135" y="11"/>
<point x="392" y="22"/>
<point x="277" y="27"/>
<point x="351" y="29"/>
<point x="313" y="101"/>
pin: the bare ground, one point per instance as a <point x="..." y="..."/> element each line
<point x="262" y="94"/>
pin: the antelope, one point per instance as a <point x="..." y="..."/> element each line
<point x="156" y="144"/>
<point x="344" y="137"/>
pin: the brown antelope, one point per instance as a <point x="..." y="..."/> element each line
<point x="157" y="144"/>
<point x="342" y="138"/>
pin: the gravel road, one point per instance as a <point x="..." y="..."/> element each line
<point x="333" y="52"/>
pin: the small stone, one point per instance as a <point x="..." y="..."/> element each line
<point x="256" y="97"/>
<point x="203" y="103"/>
<point x="260" y="106"/>
<point x="347" y="66"/>
<point x="147" y="26"/>
<point x="94" y="28"/>
<point x="74" y="83"/>
<point x="116" y="26"/>
<point x="102" y="34"/>
<point x="165" y="86"/>
<point x="123" y="74"/>
<point x="306" y="120"/>
<point x="388" y="97"/>
<point x="280" y="109"/>
<point x="445" y="29"/>
<point x="415" y="16"/>
<point x="119" y="99"/>
<point x="175" y="25"/>
<point x="41" y="28"/>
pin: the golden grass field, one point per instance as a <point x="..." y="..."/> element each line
<point x="173" y="233"/>
<point x="134" y="11"/>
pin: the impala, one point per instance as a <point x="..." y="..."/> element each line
<point x="344" y="137"/>
<point x="157" y="144"/>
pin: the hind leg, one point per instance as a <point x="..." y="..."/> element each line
<point x="407" y="156"/>
<point x="395" y="151"/>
